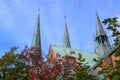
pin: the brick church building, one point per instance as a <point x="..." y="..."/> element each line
<point x="103" y="51"/>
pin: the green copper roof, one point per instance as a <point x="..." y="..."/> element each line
<point x="88" y="56"/>
<point x="66" y="40"/>
<point x="36" y="38"/>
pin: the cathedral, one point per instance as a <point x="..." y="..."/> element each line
<point x="103" y="49"/>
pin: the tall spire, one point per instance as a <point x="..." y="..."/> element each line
<point x="36" y="43"/>
<point x="66" y="40"/>
<point x="99" y="29"/>
<point x="103" y="45"/>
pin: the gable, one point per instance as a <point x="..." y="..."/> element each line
<point x="51" y="56"/>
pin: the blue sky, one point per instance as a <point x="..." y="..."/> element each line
<point x="18" y="19"/>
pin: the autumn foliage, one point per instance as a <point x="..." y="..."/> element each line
<point x="46" y="70"/>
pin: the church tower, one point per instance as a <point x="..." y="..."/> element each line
<point x="36" y="42"/>
<point x="101" y="39"/>
<point x="66" y="40"/>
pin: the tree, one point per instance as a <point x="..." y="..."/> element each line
<point x="43" y="70"/>
<point x="112" y="72"/>
<point x="82" y="70"/>
<point x="114" y="27"/>
<point x="11" y="66"/>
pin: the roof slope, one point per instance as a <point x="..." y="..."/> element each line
<point x="88" y="56"/>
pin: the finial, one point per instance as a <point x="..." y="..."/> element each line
<point x="65" y="20"/>
<point x="38" y="11"/>
<point x="96" y="11"/>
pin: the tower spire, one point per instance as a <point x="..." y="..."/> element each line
<point x="36" y="43"/>
<point x="66" y="40"/>
<point x="99" y="29"/>
<point x="103" y="45"/>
